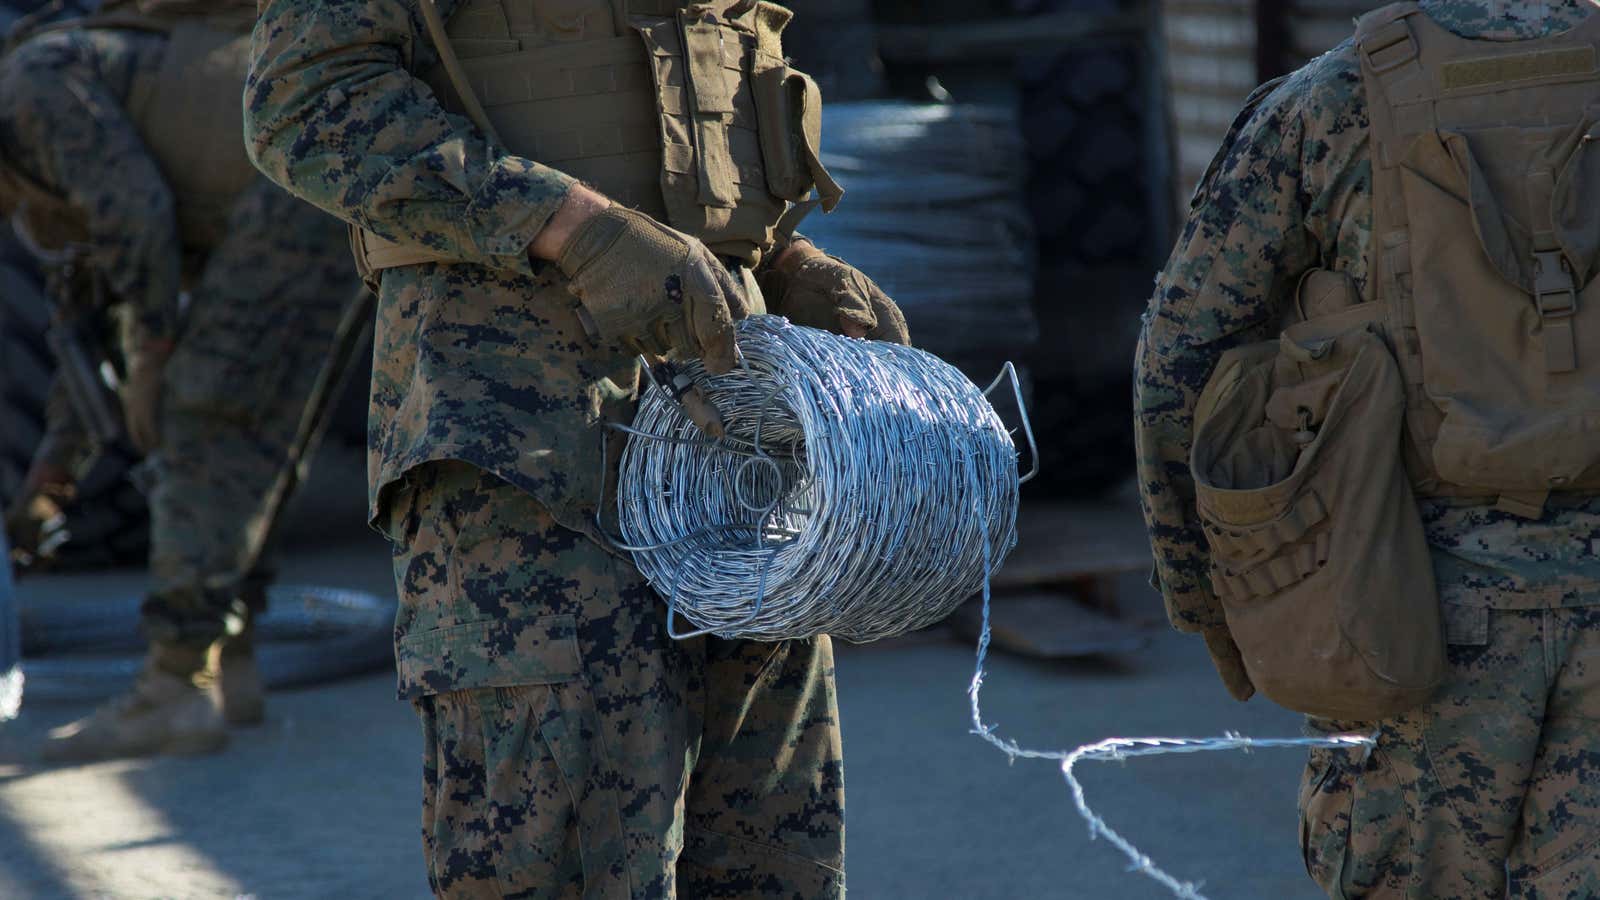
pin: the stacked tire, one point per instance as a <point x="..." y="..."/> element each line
<point x="1099" y="217"/>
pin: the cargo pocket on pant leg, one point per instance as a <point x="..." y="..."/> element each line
<point x="499" y="816"/>
<point x="1355" y="830"/>
<point x="522" y="801"/>
<point x="532" y="801"/>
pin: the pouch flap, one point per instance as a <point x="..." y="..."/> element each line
<point x="1440" y="175"/>
<point x="489" y="653"/>
<point x="1573" y="208"/>
<point x="1230" y="369"/>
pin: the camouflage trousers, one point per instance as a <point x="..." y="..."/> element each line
<point x="571" y="748"/>
<point x="1491" y="790"/>
<point x="257" y="335"/>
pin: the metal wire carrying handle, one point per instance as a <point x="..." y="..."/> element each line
<point x="1009" y="370"/>
<point x="755" y="613"/>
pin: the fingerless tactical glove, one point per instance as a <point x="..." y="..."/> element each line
<point x="643" y="281"/>
<point x="826" y="292"/>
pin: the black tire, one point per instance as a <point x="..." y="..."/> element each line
<point x="1095" y="211"/>
<point x="109" y="521"/>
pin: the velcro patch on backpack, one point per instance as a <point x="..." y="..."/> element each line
<point x="1471" y="73"/>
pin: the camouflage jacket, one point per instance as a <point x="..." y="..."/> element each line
<point x="484" y="361"/>
<point x="132" y="219"/>
<point x="1291" y="190"/>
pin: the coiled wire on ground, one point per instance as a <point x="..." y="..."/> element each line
<point x="81" y="649"/>
<point x="860" y="491"/>
<point x="935" y="213"/>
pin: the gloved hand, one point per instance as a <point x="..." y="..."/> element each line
<point x="812" y="288"/>
<point x="643" y="281"/>
<point x="1230" y="664"/>
<point x="36" y="521"/>
<point x="141" y="393"/>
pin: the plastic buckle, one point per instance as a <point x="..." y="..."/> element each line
<point x="1379" y="49"/>
<point x="1555" y="291"/>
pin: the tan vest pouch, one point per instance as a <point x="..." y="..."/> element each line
<point x="190" y="116"/>
<point x="713" y="180"/>
<point x="789" y="113"/>
<point x="1318" y="553"/>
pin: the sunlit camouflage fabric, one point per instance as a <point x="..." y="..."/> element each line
<point x="264" y="305"/>
<point x="484" y="361"/>
<point x="571" y="748"/>
<point x="1291" y="190"/>
<point x="1489" y="791"/>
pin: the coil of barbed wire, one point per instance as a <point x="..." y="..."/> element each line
<point x="862" y="490"/>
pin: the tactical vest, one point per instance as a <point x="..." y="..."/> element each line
<point x="686" y="111"/>
<point x="187" y="111"/>
<point x="1485" y="247"/>
<point x="191" y="116"/>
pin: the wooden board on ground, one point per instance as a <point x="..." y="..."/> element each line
<point x="1061" y="542"/>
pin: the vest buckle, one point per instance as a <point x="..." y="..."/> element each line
<point x="1555" y="291"/>
<point x="1390" y="47"/>
<point x="1555" y="294"/>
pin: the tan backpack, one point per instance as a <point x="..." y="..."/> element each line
<point x="1486" y="241"/>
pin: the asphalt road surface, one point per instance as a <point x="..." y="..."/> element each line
<point x="322" y="800"/>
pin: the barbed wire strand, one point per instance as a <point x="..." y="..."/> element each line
<point x="1119" y="749"/>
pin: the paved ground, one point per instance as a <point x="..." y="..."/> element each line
<point x="322" y="800"/>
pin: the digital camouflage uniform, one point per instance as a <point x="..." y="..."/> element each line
<point x="264" y="303"/>
<point x="572" y="748"/>
<point x="1493" y="786"/>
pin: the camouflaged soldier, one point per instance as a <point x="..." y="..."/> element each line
<point x="541" y="188"/>
<point x="1441" y="162"/>
<point x="116" y="142"/>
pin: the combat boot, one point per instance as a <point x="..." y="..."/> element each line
<point x="164" y="713"/>
<point x="238" y="681"/>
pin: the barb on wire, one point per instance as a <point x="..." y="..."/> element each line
<point x="1120" y="749"/>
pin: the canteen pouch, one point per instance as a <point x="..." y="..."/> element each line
<point x="1318" y="554"/>
<point x="789" y="117"/>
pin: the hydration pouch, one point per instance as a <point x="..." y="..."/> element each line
<point x="1318" y="554"/>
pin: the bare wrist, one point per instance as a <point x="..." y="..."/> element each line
<point x="583" y="203"/>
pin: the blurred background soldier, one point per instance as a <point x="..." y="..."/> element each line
<point x="123" y="168"/>
<point x="514" y="301"/>
<point x="1436" y="169"/>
